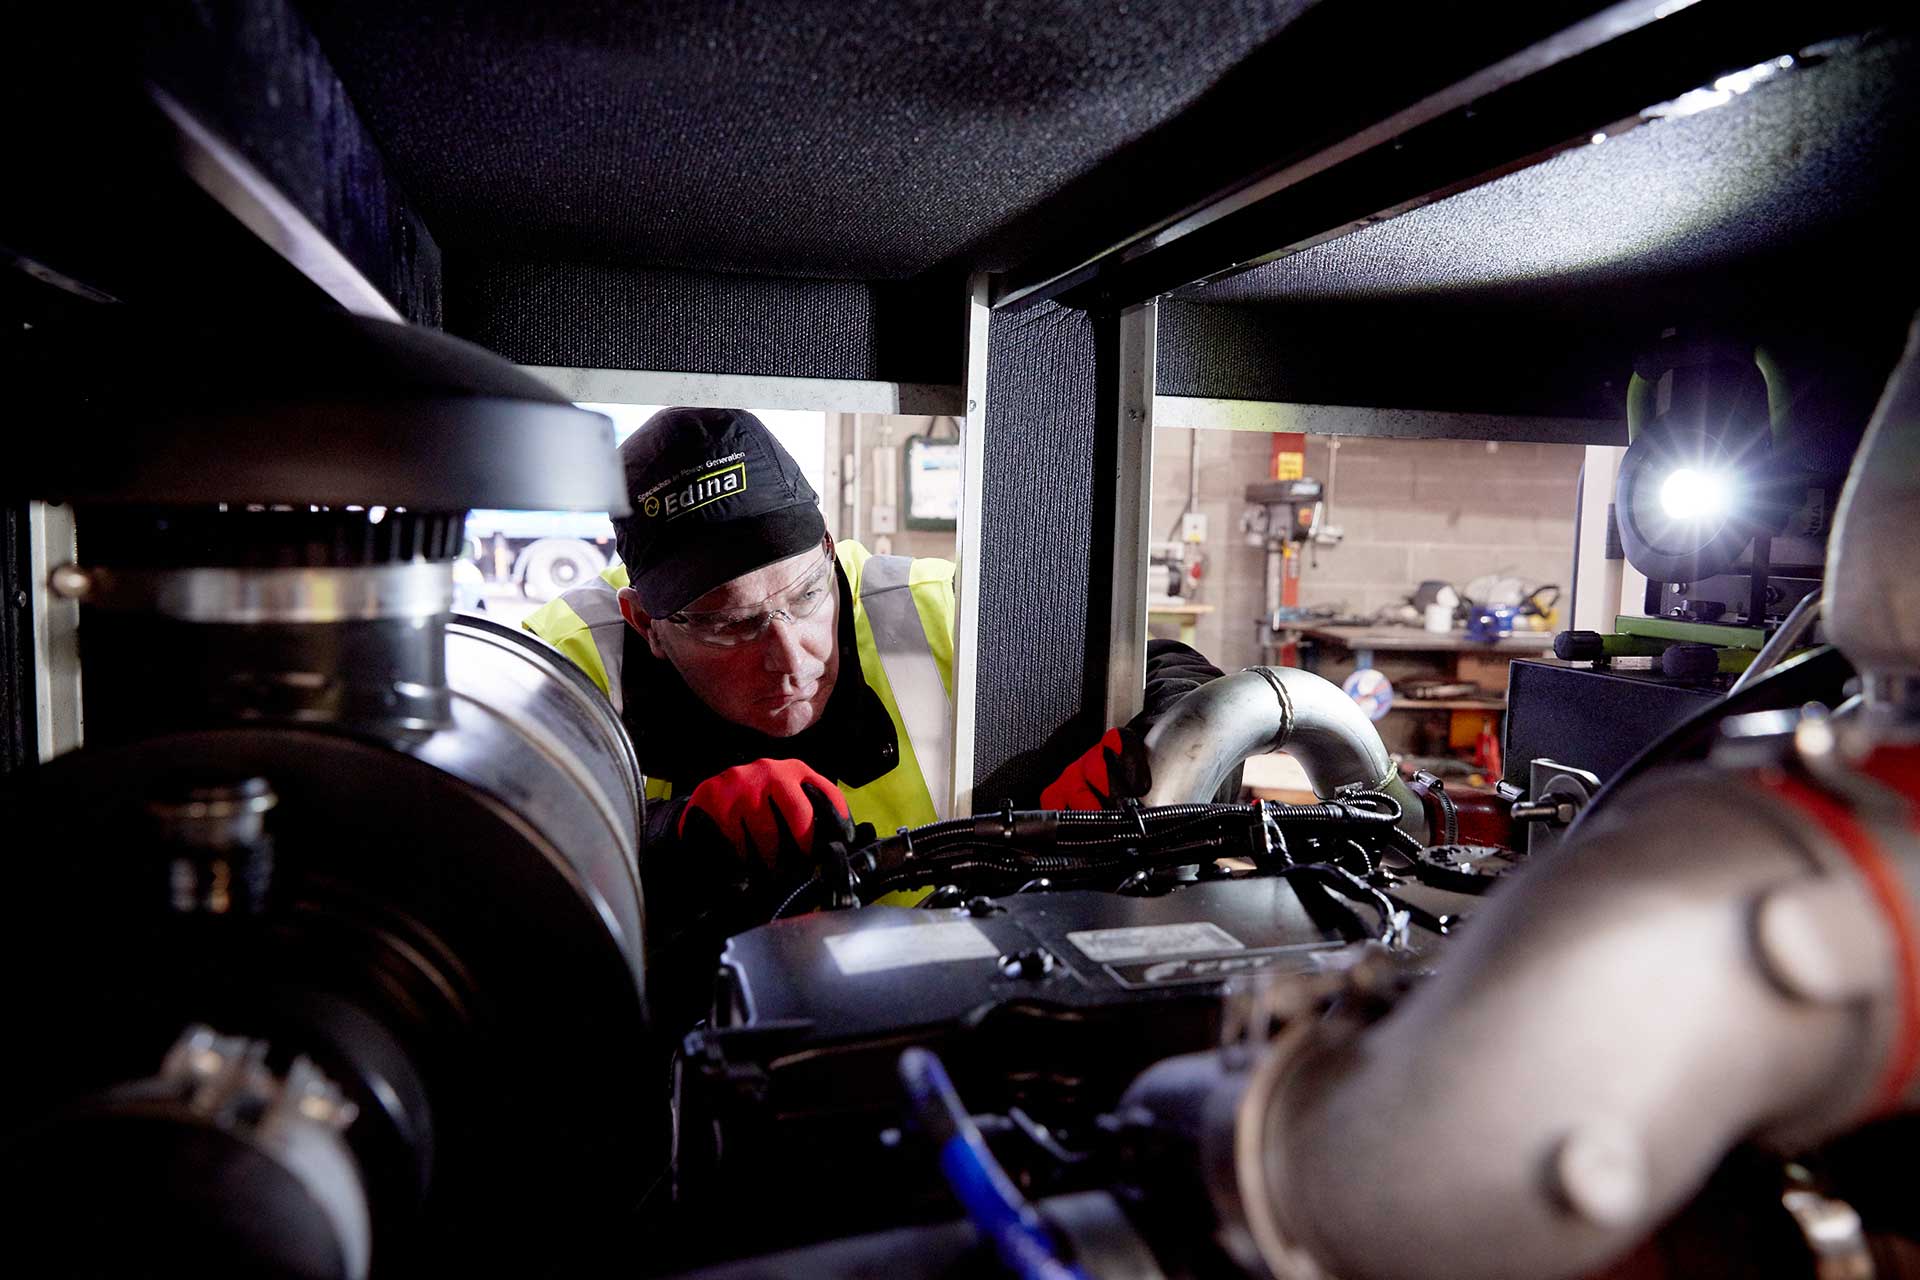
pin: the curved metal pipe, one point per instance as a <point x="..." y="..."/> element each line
<point x="1569" y="1067"/>
<point x="1210" y="731"/>
<point x="1872" y="595"/>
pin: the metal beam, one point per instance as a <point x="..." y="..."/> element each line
<point x="1357" y="420"/>
<point x="966" y="618"/>
<point x="1129" y="476"/>
<point x="747" y="391"/>
<point x="56" y="631"/>
<point x="1610" y="71"/>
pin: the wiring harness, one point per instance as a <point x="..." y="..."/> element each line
<point x="1340" y="854"/>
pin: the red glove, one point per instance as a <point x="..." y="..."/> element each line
<point x="1115" y="769"/>
<point x="768" y="808"/>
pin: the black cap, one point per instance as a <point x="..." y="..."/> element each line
<point x="714" y="496"/>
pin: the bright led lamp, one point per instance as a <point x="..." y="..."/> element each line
<point x="1696" y="493"/>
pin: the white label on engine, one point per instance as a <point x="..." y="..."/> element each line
<point x="872" y="950"/>
<point x="1145" y="941"/>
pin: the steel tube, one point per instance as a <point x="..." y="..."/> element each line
<point x="1209" y="732"/>
<point x="1872" y="606"/>
<point x="1568" y="1068"/>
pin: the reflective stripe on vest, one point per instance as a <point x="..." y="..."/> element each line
<point x="597" y="605"/>
<point x="919" y="690"/>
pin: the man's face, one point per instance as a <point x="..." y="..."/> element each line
<point x="776" y="679"/>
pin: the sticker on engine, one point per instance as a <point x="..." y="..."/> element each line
<point x="1163" y="973"/>
<point x="1150" y="940"/>
<point x="898" y="946"/>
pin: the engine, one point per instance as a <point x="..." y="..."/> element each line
<point x="334" y="961"/>
<point x="290" y="926"/>
<point x="1683" y="1041"/>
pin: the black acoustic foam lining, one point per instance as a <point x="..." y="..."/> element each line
<point x="105" y="202"/>
<point x="821" y="138"/>
<point x="1809" y="158"/>
<point x="1037" y="704"/>
<point x="1420" y="356"/>
<point x="598" y="316"/>
<point x="1777" y="216"/>
<point x="255" y="74"/>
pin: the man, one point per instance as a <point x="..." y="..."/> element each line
<point x="779" y="687"/>
<point x="763" y="671"/>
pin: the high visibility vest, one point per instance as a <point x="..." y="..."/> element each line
<point x="903" y="627"/>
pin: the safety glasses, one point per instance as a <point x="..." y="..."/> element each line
<point x="726" y="628"/>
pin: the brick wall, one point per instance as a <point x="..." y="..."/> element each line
<point x="1410" y="509"/>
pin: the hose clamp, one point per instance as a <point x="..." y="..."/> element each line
<point x="414" y="591"/>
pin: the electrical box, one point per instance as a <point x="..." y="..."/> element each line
<point x="932" y="482"/>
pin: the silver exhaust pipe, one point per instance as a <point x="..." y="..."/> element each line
<point x="1224" y="722"/>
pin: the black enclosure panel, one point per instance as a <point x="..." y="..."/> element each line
<point x="1041" y="681"/>
<point x="1809" y="164"/>
<point x="102" y="195"/>
<point x="596" y="316"/>
<point x="252" y="70"/>
<point x="1526" y="362"/>
<point x="824" y="138"/>
<point x="1443" y="358"/>
<point x="1778" y="214"/>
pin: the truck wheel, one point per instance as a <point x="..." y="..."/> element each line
<point x="553" y="565"/>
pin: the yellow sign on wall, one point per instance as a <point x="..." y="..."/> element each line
<point x="1289" y="466"/>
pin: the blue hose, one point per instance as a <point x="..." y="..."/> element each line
<point x="994" y="1205"/>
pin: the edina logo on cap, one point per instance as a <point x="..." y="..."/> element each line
<point x="698" y="492"/>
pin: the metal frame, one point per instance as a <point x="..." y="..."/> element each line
<point x="1596" y="595"/>
<point x="731" y="390"/>
<point x="1129" y="476"/>
<point x="1355" y="420"/>
<point x="966" y="618"/>
<point x="56" y="631"/>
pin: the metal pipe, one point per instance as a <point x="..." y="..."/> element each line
<point x="1212" y="730"/>
<point x="1872" y="594"/>
<point x="1793" y="629"/>
<point x="1568" y="1067"/>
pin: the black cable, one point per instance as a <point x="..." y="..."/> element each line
<point x="1078" y="844"/>
<point x="1346" y="884"/>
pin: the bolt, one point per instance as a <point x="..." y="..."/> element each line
<point x="1556" y="813"/>
<point x="1814" y="738"/>
<point x="1036" y="962"/>
<point x="1601" y="1173"/>
<point x="70" y="582"/>
<point x="1817" y="941"/>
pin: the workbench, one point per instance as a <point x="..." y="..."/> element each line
<point x="1365" y="642"/>
<point x="1182" y="613"/>
<point x="1461" y="659"/>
